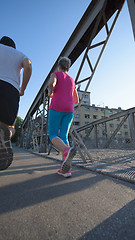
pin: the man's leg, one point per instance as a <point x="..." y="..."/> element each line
<point x="6" y="153"/>
<point x="9" y="103"/>
<point x="11" y="129"/>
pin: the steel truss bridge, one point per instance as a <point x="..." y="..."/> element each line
<point x="96" y="17"/>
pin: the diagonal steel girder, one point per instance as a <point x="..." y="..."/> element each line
<point x="79" y="40"/>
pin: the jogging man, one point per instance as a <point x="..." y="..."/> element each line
<point x="11" y="63"/>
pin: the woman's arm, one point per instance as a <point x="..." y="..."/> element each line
<point x="75" y="96"/>
<point x="52" y="83"/>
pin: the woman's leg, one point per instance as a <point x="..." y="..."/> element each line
<point x="57" y="142"/>
<point x="55" y="119"/>
<point x="69" y="152"/>
<point x="65" y="126"/>
<point x="62" y="142"/>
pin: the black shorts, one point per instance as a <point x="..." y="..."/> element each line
<point x="9" y="103"/>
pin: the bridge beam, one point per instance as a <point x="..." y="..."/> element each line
<point x="131" y="7"/>
<point x="93" y="20"/>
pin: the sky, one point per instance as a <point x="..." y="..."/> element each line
<point x="41" y="29"/>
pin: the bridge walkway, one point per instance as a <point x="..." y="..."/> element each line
<point x="38" y="204"/>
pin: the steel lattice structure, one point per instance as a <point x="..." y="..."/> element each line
<point x="96" y="17"/>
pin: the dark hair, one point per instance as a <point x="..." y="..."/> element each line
<point x="64" y="63"/>
<point x="7" y="41"/>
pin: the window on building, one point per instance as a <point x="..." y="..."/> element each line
<point x="77" y="115"/>
<point x="127" y="140"/>
<point x="102" y="110"/>
<point x="110" y="111"/>
<point x="86" y="96"/>
<point x="76" y="123"/>
<point x="126" y="133"/>
<point x="87" y="116"/>
<point x="111" y="125"/>
<point x="111" y="132"/>
<point x="125" y="126"/>
<point x="104" y="132"/>
<point x="95" y="117"/>
<point x="119" y="133"/>
<point x="95" y="109"/>
<point x="86" y="109"/>
<point x="87" y="131"/>
<point x="84" y="102"/>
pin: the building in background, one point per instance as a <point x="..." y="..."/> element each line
<point x="89" y="113"/>
<point x="86" y="100"/>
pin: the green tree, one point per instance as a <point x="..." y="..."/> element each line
<point x="18" y="125"/>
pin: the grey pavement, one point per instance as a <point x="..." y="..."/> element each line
<point x="38" y="204"/>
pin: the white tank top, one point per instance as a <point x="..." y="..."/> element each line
<point x="11" y="65"/>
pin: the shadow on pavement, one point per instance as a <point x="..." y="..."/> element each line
<point x="117" y="227"/>
<point x="30" y="169"/>
<point x="41" y="189"/>
<point x="49" y="186"/>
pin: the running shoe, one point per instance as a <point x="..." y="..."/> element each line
<point x="66" y="175"/>
<point x="6" y="153"/>
<point x="68" y="155"/>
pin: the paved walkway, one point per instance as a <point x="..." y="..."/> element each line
<point x="38" y="204"/>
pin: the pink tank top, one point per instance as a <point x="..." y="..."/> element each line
<point x="62" y="99"/>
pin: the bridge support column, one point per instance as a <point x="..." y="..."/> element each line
<point x="131" y="7"/>
<point x="132" y="126"/>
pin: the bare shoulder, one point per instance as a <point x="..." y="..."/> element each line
<point x="53" y="75"/>
<point x="26" y="62"/>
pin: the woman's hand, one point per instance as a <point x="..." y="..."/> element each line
<point x="50" y="94"/>
<point x="75" y="96"/>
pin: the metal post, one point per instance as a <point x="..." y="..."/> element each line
<point x="132" y="126"/>
<point x="131" y="7"/>
<point x="29" y="133"/>
<point x="81" y="142"/>
<point x="96" y="138"/>
<point x="115" y="132"/>
<point x="46" y="132"/>
<point x="41" y="149"/>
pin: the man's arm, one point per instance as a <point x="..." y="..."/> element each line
<point x="52" y="83"/>
<point x="26" y="74"/>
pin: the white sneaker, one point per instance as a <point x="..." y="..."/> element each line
<point x="66" y="175"/>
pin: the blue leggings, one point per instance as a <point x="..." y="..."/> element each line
<point x="62" y="121"/>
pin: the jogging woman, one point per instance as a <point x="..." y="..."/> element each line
<point x="61" y="112"/>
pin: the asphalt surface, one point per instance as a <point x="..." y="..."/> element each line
<point x="38" y="204"/>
